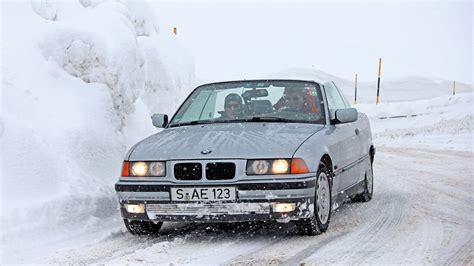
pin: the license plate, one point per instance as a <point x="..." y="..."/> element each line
<point x="203" y="194"/>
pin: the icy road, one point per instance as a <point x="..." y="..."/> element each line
<point x="421" y="213"/>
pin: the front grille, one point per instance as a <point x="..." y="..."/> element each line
<point x="220" y="171"/>
<point x="187" y="171"/>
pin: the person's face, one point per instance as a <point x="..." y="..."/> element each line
<point x="232" y="109"/>
<point x="294" y="101"/>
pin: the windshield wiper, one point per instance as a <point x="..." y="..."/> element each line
<point x="268" y="119"/>
<point x="192" y="123"/>
<point x="252" y="119"/>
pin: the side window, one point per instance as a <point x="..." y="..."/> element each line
<point x="346" y="102"/>
<point x="335" y="100"/>
<point x="195" y="107"/>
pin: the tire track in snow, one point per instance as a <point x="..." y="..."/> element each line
<point x="121" y="244"/>
<point x="387" y="217"/>
<point x="309" y="251"/>
<point x="364" y="239"/>
<point x="305" y="246"/>
<point x="465" y="255"/>
<point x="413" y="236"/>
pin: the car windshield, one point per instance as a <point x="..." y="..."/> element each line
<point x="253" y="101"/>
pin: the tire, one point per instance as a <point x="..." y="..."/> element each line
<point x="319" y="222"/>
<point x="142" y="227"/>
<point x="368" y="185"/>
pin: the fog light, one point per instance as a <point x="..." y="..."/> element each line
<point x="283" y="207"/>
<point x="135" y="208"/>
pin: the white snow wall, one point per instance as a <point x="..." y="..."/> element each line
<point x="79" y="82"/>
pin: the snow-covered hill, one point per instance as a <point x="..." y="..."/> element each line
<point x="391" y="90"/>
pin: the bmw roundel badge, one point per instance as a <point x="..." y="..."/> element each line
<point x="206" y="151"/>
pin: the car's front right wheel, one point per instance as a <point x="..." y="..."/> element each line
<point x="142" y="227"/>
<point x="319" y="222"/>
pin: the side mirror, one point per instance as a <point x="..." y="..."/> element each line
<point x="159" y="120"/>
<point x="346" y="115"/>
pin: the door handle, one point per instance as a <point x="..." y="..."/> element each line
<point x="357" y="131"/>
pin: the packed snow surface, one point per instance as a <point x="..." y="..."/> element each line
<point x="79" y="82"/>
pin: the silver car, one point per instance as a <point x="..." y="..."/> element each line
<point x="252" y="150"/>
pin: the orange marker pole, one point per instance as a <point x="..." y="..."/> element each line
<point x="175" y="30"/>
<point x="378" y="82"/>
<point x="355" y="92"/>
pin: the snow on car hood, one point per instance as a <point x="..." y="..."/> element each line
<point x="226" y="141"/>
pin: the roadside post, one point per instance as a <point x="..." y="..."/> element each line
<point x="355" y="92"/>
<point x="378" y="82"/>
<point x="454" y="87"/>
<point x="175" y="31"/>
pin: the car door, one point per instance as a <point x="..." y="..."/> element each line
<point x="345" y="145"/>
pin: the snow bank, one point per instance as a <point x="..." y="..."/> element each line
<point x="79" y="82"/>
<point x="440" y="123"/>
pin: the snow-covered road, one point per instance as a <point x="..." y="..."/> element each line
<point x="421" y="213"/>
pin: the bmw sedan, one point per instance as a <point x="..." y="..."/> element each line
<point x="252" y="150"/>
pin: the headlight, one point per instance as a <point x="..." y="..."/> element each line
<point x="280" y="167"/>
<point x="276" y="167"/>
<point x="267" y="167"/>
<point x="157" y="169"/>
<point x="258" y="167"/>
<point x="144" y="169"/>
<point x="139" y="169"/>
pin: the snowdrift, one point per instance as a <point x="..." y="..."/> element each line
<point x="441" y="123"/>
<point x="79" y="82"/>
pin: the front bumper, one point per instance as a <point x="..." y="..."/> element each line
<point x="254" y="201"/>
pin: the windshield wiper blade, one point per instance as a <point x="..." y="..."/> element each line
<point x="192" y="123"/>
<point x="268" y="119"/>
<point x="252" y="119"/>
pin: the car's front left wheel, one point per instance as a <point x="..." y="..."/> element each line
<point x="142" y="227"/>
<point x="319" y="222"/>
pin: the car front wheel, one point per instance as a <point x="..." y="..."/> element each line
<point x="319" y="222"/>
<point x="142" y="227"/>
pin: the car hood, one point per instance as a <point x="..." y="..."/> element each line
<point x="225" y="141"/>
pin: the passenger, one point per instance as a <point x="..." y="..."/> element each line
<point x="297" y="100"/>
<point x="233" y="107"/>
<point x="293" y="100"/>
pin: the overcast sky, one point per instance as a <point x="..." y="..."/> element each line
<point x="231" y="40"/>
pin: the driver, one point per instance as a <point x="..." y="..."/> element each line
<point x="232" y="107"/>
